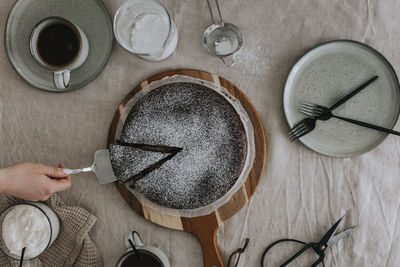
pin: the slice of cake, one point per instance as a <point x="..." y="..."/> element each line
<point x="131" y="162"/>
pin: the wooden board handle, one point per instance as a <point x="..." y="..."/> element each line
<point x="208" y="242"/>
<point x="205" y="229"/>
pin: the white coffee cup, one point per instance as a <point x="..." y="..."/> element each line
<point x="61" y="73"/>
<point x="137" y="242"/>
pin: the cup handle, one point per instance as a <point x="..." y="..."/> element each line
<point x="133" y="238"/>
<point x="62" y="78"/>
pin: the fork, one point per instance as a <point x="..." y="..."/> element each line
<point x="308" y="124"/>
<point x="302" y="128"/>
<point x="323" y="113"/>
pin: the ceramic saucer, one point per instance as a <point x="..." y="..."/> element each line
<point x="327" y="73"/>
<point x="90" y="15"/>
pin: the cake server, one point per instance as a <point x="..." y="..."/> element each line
<point x="101" y="167"/>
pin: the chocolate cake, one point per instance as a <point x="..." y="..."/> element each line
<point x="209" y="131"/>
<point x="132" y="162"/>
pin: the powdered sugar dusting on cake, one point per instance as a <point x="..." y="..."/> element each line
<point x="208" y="129"/>
<point x="128" y="161"/>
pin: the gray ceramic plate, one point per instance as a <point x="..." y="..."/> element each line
<point x="90" y="15"/>
<point x="327" y="73"/>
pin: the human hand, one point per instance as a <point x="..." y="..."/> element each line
<point x="33" y="181"/>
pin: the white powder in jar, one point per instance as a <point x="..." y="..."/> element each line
<point x="26" y="226"/>
<point x="149" y="34"/>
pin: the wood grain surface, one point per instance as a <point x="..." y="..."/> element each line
<point x="203" y="227"/>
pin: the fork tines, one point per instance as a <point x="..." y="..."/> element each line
<point x="311" y="109"/>
<point x="297" y="131"/>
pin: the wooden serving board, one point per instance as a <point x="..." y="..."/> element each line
<point x="203" y="227"/>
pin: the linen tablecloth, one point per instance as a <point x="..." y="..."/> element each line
<point x="301" y="193"/>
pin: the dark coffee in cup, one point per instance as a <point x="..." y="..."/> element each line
<point x="58" y="44"/>
<point x="142" y="258"/>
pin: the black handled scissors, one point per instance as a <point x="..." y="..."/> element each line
<point x="329" y="239"/>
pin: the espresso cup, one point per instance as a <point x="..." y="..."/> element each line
<point x="140" y="255"/>
<point x="60" y="46"/>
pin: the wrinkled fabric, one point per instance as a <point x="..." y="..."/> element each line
<point x="301" y="193"/>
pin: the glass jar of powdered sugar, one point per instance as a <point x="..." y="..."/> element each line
<point x="33" y="226"/>
<point x="145" y="28"/>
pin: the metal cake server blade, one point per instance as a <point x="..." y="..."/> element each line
<point x="101" y="167"/>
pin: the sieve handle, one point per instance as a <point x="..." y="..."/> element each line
<point x="205" y="228"/>
<point x="219" y="19"/>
